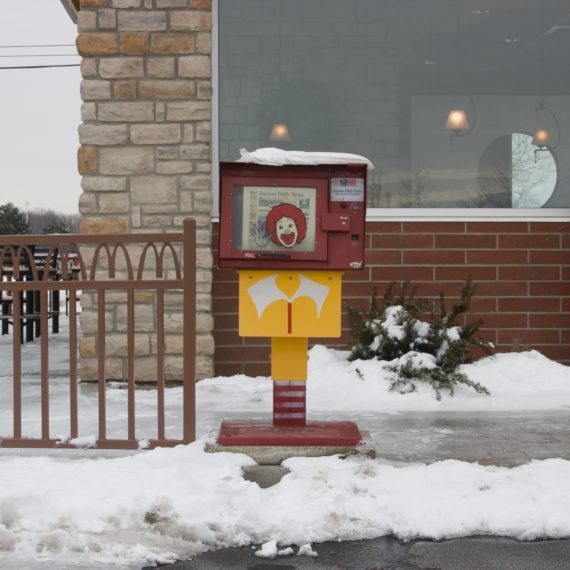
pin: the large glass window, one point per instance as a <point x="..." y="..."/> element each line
<point x="458" y="103"/>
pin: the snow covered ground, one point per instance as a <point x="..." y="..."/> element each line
<point x="83" y="508"/>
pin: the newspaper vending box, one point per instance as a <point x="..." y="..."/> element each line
<point x="298" y="217"/>
<point x="291" y="232"/>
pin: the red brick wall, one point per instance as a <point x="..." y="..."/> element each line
<point x="522" y="272"/>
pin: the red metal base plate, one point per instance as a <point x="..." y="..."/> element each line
<point x="265" y="433"/>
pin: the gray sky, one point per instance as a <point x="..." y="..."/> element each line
<point x="39" y="108"/>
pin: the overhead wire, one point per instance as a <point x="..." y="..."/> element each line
<point x="35" y="46"/>
<point x="42" y="55"/>
<point x="40" y="66"/>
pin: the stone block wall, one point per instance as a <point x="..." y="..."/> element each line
<point x="145" y="157"/>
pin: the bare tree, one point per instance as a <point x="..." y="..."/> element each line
<point x="45" y="220"/>
<point x="375" y="188"/>
<point x="531" y="173"/>
<point x="513" y="175"/>
<point x="417" y="185"/>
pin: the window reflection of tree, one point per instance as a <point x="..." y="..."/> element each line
<point x="417" y="186"/>
<point x="495" y="175"/>
<point x="534" y="173"/>
<point x="510" y="177"/>
<point x="375" y="196"/>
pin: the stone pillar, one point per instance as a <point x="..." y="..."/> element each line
<point x="145" y="154"/>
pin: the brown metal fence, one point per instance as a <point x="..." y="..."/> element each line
<point x="36" y="269"/>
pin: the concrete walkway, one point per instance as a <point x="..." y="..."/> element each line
<point x="489" y="438"/>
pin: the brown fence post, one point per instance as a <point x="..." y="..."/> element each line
<point x="189" y="357"/>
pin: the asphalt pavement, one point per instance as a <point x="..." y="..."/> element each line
<point x="387" y="553"/>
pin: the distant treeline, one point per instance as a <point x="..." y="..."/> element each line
<point x="42" y="219"/>
<point x="36" y="221"/>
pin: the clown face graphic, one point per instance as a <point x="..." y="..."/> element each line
<point x="286" y="225"/>
<point x="286" y="230"/>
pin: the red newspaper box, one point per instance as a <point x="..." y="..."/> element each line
<point x="291" y="231"/>
<point x="292" y="217"/>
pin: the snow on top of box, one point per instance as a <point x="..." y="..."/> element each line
<point x="278" y="157"/>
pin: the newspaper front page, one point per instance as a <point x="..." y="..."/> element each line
<point x="257" y="203"/>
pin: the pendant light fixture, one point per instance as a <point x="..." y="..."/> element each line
<point x="457" y="119"/>
<point x="279" y="132"/>
<point x="541" y="137"/>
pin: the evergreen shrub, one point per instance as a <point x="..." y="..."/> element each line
<point x="417" y="350"/>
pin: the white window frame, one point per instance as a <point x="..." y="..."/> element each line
<point x="376" y="214"/>
<point x="215" y="115"/>
<point x="468" y="214"/>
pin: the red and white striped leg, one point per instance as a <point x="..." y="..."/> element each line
<point x="289" y="403"/>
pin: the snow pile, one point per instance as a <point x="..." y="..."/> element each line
<point x="161" y="505"/>
<point x="267" y="550"/>
<point x="517" y="381"/>
<point x="395" y="330"/>
<point x="172" y="503"/>
<point x="307" y="550"/>
<point x="152" y="507"/>
<point x="278" y="157"/>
